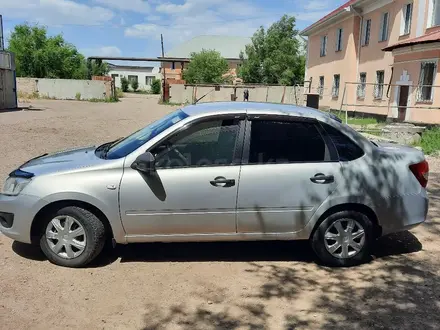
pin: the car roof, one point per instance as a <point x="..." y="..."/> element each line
<point x="255" y="108"/>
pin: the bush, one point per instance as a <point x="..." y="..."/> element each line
<point x="124" y="84"/>
<point x="155" y="86"/>
<point x="134" y="85"/>
<point x="431" y="141"/>
<point x="78" y="96"/>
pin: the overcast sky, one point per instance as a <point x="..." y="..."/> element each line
<point x="133" y="27"/>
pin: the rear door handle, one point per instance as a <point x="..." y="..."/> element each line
<point x="322" y="178"/>
<point x="221" y="181"/>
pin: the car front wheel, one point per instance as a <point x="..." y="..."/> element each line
<point x="72" y="237"/>
<point x="343" y="239"/>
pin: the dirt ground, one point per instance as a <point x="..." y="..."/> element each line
<point x="207" y="285"/>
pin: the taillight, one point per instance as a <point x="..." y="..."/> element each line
<point x="421" y="172"/>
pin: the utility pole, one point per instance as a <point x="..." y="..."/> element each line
<point x="2" y="40"/>
<point x="164" y="69"/>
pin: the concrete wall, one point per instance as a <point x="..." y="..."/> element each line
<point x="276" y="94"/>
<point x="64" y="89"/>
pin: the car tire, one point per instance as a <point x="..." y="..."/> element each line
<point x="90" y="244"/>
<point x="351" y="252"/>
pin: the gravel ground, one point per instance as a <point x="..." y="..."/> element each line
<point x="210" y="285"/>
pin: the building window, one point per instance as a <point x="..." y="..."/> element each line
<point x="336" y="84"/>
<point x="366" y="32"/>
<point x="406" y="19"/>
<point x="148" y="80"/>
<point x="339" y="35"/>
<point x="384" y="27"/>
<point x="378" y="88"/>
<point x="427" y="77"/>
<point x="321" y="86"/>
<point x="435" y="14"/>
<point x="362" y="85"/>
<point x="323" y="46"/>
<point x="132" y="78"/>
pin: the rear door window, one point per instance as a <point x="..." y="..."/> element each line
<point x="347" y="149"/>
<point x="283" y="142"/>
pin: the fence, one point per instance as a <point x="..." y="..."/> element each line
<point x="401" y="102"/>
<point x="185" y="93"/>
<point x="64" y="89"/>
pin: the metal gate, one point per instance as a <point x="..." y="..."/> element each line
<point x="8" y="89"/>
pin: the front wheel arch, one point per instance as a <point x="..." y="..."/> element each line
<point x="54" y="206"/>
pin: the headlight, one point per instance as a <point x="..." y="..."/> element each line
<point x="13" y="186"/>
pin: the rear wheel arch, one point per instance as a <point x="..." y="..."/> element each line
<point x="57" y="205"/>
<point x="357" y="207"/>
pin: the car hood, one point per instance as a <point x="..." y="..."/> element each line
<point x="66" y="160"/>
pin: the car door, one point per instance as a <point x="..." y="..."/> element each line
<point x="288" y="171"/>
<point x="194" y="188"/>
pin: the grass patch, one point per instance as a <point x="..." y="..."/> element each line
<point x="431" y="141"/>
<point x="173" y="103"/>
<point x="362" y="121"/>
<point x="105" y="100"/>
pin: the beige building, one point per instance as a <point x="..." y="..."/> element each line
<point x="379" y="57"/>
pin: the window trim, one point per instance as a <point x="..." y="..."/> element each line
<point x="334" y="95"/>
<point x="321" y="86"/>
<point x="329" y="146"/>
<point x="431" y="13"/>
<point x="339" y="39"/>
<point x="403" y="17"/>
<point x="323" y="46"/>
<point x="384" y="29"/>
<point x="238" y="152"/>
<point x="366" y="28"/>
<point x="420" y="86"/>
<point x="376" y="95"/>
<point x="362" y="86"/>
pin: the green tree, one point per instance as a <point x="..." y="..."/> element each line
<point x="274" y="56"/>
<point x="42" y="56"/>
<point x="124" y="84"/>
<point x="206" y="67"/>
<point x="155" y="86"/>
<point x="97" y="68"/>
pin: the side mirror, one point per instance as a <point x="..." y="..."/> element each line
<point x="145" y="163"/>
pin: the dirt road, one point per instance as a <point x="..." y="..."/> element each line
<point x="203" y="286"/>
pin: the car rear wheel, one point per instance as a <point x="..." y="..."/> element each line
<point x="343" y="239"/>
<point x="72" y="237"/>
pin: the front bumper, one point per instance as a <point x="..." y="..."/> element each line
<point x="24" y="208"/>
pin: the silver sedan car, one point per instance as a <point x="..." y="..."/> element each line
<point x="220" y="172"/>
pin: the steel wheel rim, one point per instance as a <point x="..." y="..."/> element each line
<point x="345" y="238"/>
<point x="66" y="237"/>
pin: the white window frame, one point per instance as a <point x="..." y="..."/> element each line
<point x="379" y="87"/>
<point x="433" y="11"/>
<point x="422" y="78"/>
<point x="362" y="85"/>
<point x="384" y="28"/>
<point x="366" y="32"/>
<point x="335" y="89"/>
<point x="151" y="78"/>
<point x="339" y="39"/>
<point x="403" y="26"/>
<point x="321" y="86"/>
<point x="324" y="42"/>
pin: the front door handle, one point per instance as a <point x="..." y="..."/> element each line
<point x="221" y="181"/>
<point x="322" y="178"/>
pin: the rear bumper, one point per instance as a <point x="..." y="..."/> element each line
<point x="23" y="208"/>
<point x="403" y="212"/>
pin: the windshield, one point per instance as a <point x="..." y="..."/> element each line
<point x="137" y="139"/>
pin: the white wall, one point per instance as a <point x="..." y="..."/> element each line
<point x="140" y="73"/>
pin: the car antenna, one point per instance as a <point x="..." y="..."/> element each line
<point x="217" y="88"/>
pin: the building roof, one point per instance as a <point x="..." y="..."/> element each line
<point x="121" y="67"/>
<point x="229" y="47"/>
<point x="327" y="17"/>
<point x="425" y="39"/>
